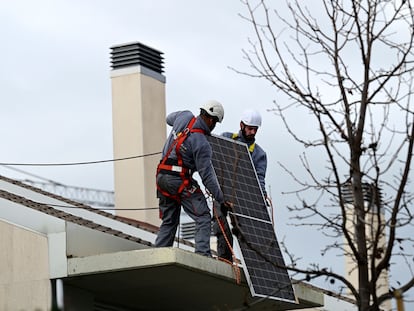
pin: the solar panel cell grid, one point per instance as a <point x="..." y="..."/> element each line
<point x="260" y="253"/>
<point x="263" y="259"/>
<point x="233" y="167"/>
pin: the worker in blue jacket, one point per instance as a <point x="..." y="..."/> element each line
<point x="187" y="151"/>
<point x="250" y="122"/>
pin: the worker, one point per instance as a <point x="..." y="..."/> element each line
<point x="187" y="151"/>
<point x="250" y="122"/>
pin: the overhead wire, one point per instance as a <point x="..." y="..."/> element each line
<point x="98" y="208"/>
<point x="10" y="166"/>
<point x="81" y="163"/>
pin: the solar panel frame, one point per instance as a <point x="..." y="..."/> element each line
<point x="260" y="254"/>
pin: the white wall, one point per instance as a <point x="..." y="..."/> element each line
<point x="24" y="269"/>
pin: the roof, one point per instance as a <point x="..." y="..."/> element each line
<point x="105" y="252"/>
<point x="78" y="213"/>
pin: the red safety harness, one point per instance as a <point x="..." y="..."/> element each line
<point x="179" y="169"/>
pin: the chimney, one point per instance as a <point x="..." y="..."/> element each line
<point x="139" y="129"/>
<point x="375" y="220"/>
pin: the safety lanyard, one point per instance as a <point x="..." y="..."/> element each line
<point x="183" y="172"/>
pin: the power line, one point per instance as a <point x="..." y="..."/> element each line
<point x="55" y="183"/>
<point x="98" y="208"/>
<point x="81" y="163"/>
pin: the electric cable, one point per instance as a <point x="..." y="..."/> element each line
<point x="82" y="163"/>
<point x="10" y="167"/>
<point x="99" y="208"/>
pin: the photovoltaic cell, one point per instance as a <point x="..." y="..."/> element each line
<point x="262" y="259"/>
<point x="237" y="177"/>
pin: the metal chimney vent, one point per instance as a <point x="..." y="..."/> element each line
<point x="370" y="193"/>
<point x="187" y="230"/>
<point x="136" y="53"/>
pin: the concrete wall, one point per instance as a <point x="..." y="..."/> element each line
<point x="24" y="270"/>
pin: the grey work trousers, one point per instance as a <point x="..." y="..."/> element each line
<point x="195" y="206"/>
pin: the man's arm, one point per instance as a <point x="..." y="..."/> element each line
<point x="202" y="159"/>
<point x="171" y="117"/>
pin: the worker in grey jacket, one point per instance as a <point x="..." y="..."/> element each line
<point x="185" y="152"/>
<point x="250" y="122"/>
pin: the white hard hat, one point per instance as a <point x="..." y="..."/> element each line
<point x="214" y="109"/>
<point x="251" y="117"/>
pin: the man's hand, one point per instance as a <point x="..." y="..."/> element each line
<point x="226" y="206"/>
<point x="268" y="202"/>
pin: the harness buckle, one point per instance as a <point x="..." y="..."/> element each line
<point x="176" y="168"/>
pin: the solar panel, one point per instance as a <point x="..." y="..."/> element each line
<point x="261" y="257"/>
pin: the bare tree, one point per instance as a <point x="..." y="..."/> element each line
<point x="349" y="64"/>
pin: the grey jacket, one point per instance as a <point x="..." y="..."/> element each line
<point x="259" y="158"/>
<point x="196" y="151"/>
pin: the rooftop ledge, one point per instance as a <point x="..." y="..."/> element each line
<point x="163" y="277"/>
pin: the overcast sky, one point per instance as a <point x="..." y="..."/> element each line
<point x="56" y="88"/>
<point x="55" y="77"/>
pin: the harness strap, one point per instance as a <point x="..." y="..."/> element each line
<point x="173" y="168"/>
<point x="183" y="172"/>
<point x="251" y="147"/>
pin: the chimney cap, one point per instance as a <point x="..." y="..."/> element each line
<point x="136" y="53"/>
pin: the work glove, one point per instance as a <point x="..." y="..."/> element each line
<point x="268" y="201"/>
<point x="225" y="207"/>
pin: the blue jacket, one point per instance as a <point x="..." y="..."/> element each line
<point x="196" y="151"/>
<point x="259" y="157"/>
